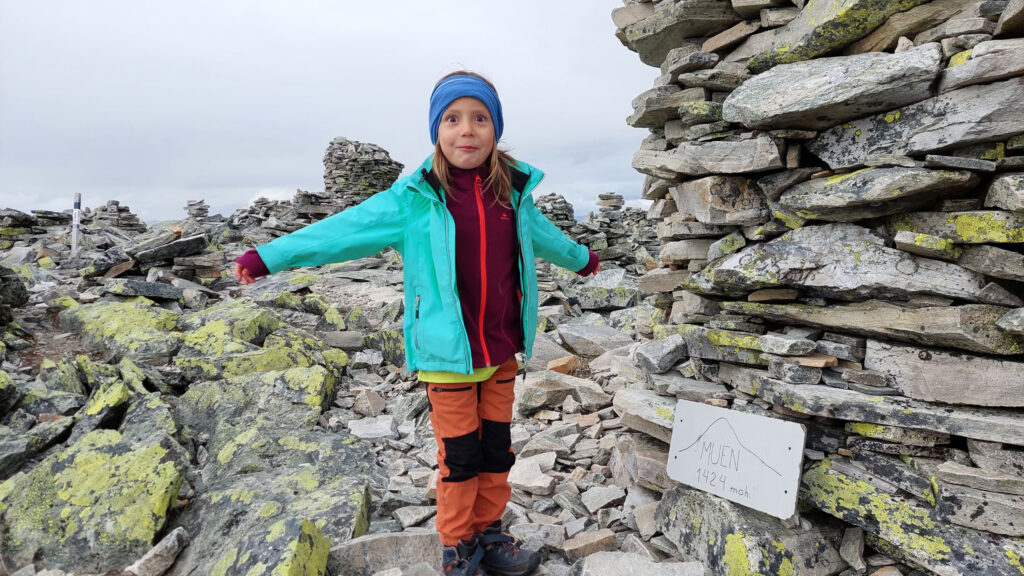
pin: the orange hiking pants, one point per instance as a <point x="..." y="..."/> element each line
<point x="474" y="451"/>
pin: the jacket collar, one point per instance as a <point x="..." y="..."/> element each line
<point x="524" y="179"/>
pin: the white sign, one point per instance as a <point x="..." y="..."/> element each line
<point x="748" y="459"/>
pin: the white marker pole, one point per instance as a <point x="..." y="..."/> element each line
<point x="74" y="223"/>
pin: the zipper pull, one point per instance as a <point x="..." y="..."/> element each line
<point x="417" y="306"/>
<point x="476" y="186"/>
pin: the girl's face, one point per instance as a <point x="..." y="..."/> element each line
<point x="466" y="134"/>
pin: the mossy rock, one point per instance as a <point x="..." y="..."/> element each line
<point x="103" y="409"/>
<point x="62" y="376"/>
<point x="38" y="401"/>
<point x="268" y="487"/>
<point x="9" y="394"/>
<point x="280" y="351"/>
<point x="390" y="342"/>
<point x="17" y="447"/>
<point x="95" y="506"/>
<point x="136" y="330"/>
<point x="147" y="415"/>
<point x="296" y="395"/>
<point x="247" y="321"/>
<point x="333" y="320"/>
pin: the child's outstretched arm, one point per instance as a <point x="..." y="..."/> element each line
<point x="365" y="229"/>
<point x="551" y="244"/>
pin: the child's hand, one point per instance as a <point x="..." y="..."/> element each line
<point x="242" y="275"/>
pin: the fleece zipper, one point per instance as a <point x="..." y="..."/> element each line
<point x="482" y="220"/>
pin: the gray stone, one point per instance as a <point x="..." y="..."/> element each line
<point x="673" y="22"/>
<point x="773" y="185"/>
<point x="627" y="15"/>
<point x="959" y="163"/>
<point x="988" y="62"/>
<point x="852" y="549"/>
<point x="639" y="460"/>
<point x="724" y="77"/>
<point x="661" y="280"/>
<point x="992" y="425"/>
<point x="834" y="261"/>
<point x="657" y="356"/>
<point x="409" y="516"/>
<point x="592" y="341"/>
<point x="674" y="229"/>
<point x="718" y="344"/>
<point x="691" y="518"/>
<point x="654" y="108"/>
<point x="987" y="511"/>
<point x="740" y="156"/>
<point x="681" y="63"/>
<point x="1006" y="192"/>
<point x="588" y="543"/>
<point x="526" y="475"/>
<point x="600" y="497"/>
<point x="548" y="389"/>
<point x="996" y="457"/>
<point x="367" y="555"/>
<point x="1012" y="18"/>
<point x="645" y="411"/>
<point x="793" y="373"/>
<point x="539" y="536"/>
<point x="170" y="250"/>
<point x="939" y="376"/>
<point x="722" y="200"/>
<point x="994" y="293"/>
<point x="374" y="429"/>
<point x="834" y="90"/>
<point x="873" y="192"/>
<point x="726" y="245"/>
<point x="956" y="118"/>
<point x="785" y="344"/>
<point x="155" y="290"/>
<point x="927" y="246"/>
<point x="981" y="479"/>
<point x="617" y="563"/>
<point x="1012" y="322"/>
<point x="956" y="27"/>
<point x="972" y="227"/>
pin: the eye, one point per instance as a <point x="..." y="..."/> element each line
<point x="451" y="118"/>
<point x="482" y="118"/>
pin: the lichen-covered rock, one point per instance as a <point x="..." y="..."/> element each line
<point x="9" y="394"/>
<point x="821" y="93"/>
<point x="957" y="118"/>
<point x="103" y="408"/>
<point x="821" y="28"/>
<point x="227" y="328"/>
<point x="973" y="227"/>
<point x="94" y="506"/>
<point x="723" y="200"/>
<point x="38" y="401"/>
<point x="873" y="192"/>
<point x="606" y="290"/>
<point x="135" y="329"/>
<point x="280" y="350"/>
<point x="61" y="375"/>
<point x="277" y="496"/>
<point x="730" y="539"/>
<point x="840" y="261"/>
<point x="909" y="527"/>
<point x="295" y="395"/>
<point x="731" y="156"/>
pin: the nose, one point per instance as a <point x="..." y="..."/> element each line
<point x="466" y="128"/>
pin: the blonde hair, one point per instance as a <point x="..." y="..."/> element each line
<point x="499" y="179"/>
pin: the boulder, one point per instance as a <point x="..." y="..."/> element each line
<point x="592" y="341"/>
<point x="373" y="553"/>
<point x="874" y="192"/>
<point x="731" y="539"/>
<point x="821" y="93"/>
<point x="615" y="563"/>
<point x="841" y="261"/>
<point x="722" y="200"/>
<point x="908" y="526"/>
<point x="952" y="378"/>
<point x="730" y="156"/>
<point x="645" y="411"/>
<point x="94" y="506"/>
<point x="972" y="227"/>
<point x="968" y="327"/>
<point x="1007" y="192"/>
<point x="987" y="62"/>
<point x="138" y="330"/>
<point x="954" y="119"/>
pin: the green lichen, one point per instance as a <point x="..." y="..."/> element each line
<point x="959" y="58"/>
<point x="294" y="443"/>
<point x="308" y="553"/>
<point x="269" y="509"/>
<point x="226" y="561"/>
<point x="906" y="526"/>
<point x="107" y="397"/>
<point x="334" y="319"/>
<point x="228" y="451"/>
<point x="891" y="117"/>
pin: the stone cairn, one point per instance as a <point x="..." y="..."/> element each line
<point x="113" y="215"/>
<point x="622" y="237"/>
<point x="197" y="209"/>
<point x="354" y="171"/>
<point x="842" y="193"/>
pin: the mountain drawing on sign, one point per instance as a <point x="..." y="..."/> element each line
<point x="710" y="449"/>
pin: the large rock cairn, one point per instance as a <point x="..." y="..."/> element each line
<point x="622" y="237"/>
<point x="843" y="192"/>
<point x="354" y="171"/>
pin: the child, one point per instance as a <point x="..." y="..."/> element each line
<point x="468" y="231"/>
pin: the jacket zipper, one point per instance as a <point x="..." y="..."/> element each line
<point x="455" y="296"/>
<point x="483" y="267"/>
<point x="416" y="325"/>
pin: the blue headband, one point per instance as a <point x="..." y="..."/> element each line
<point x="454" y="87"/>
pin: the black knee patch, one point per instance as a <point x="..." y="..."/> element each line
<point x="462" y="456"/>
<point x="497" y="439"/>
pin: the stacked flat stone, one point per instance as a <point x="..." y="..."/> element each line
<point x="354" y="171"/>
<point x="260" y="211"/>
<point x="559" y="211"/>
<point x="112" y="214"/>
<point x="622" y="237"/>
<point x="842" y="188"/>
<point x="197" y="209"/>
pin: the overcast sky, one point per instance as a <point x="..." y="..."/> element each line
<point x="156" y="103"/>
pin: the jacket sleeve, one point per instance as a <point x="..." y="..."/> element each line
<point x="362" y="230"/>
<point x="552" y="244"/>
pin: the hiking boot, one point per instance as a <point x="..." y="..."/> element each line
<point x="462" y="560"/>
<point x="503" y="555"/>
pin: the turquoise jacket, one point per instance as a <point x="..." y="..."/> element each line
<point x="412" y="217"/>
